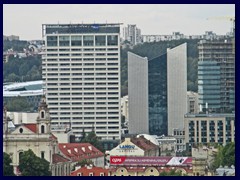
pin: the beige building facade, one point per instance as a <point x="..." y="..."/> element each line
<point x="36" y="137"/>
<point x="209" y="128"/>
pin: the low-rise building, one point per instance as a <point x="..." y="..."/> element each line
<point x="90" y="171"/>
<point x="37" y="137"/>
<point x="179" y="134"/>
<point x="148" y="166"/>
<point x="209" y="128"/>
<point x="80" y="151"/>
<point x="225" y="171"/>
<point x="135" y="146"/>
<point x="167" y="145"/>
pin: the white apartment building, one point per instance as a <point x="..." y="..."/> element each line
<point x="132" y="34"/>
<point x="81" y="70"/>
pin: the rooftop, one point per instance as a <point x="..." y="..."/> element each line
<point x="209" y="115"/>
<point x="31" y="88"/>
<point x="58" y="158"/>
<point x="86" y="170"/>
<point x="79" y="151"/>
<point x="81" y="28"/>
<point x="144" y="143"/>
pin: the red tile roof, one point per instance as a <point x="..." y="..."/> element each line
<point x="79" y="151"/>
<point x="32" y="127"/>
<point x="144" y="143"/>
<point x="85" y="171"/>
<point x="58" y="158"/>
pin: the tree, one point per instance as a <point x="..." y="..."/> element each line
<point x="82" y="163"/>
<point x="93" y="140"/>
<point x="31" y="165"/>
<point x="7" y="167"/>
<point x="171" y="173"/>
<point x="224" y="157"/>
<point x="18" y="104"/>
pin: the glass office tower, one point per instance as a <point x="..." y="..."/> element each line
<point x="157" y="90"/>
<point x="216" y="75"/>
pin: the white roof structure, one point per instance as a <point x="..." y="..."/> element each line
<point x="32" y="88"/>
<point x="150" y="138"/>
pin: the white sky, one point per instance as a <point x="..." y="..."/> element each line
<point x="25" y="20"/>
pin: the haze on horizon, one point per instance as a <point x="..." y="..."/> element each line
<point x="25" y="20"/>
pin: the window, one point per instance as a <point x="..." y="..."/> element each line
<point x="21" y="130"/>
<point x="101" y="174"/>
<point x="88" y="40"/>
<point x="76" y="41"/>
<point x="42" y="154"/>
<point x="42" y="114"/>
<point x="79" y="174"/>
<point x="42" y="129"/>
<point x="90" y="174"/>
<point x="52" y="40"/>
<point x="112" y="40"/>
<point x="64" y="40"/>
<point x="100" y="40"/>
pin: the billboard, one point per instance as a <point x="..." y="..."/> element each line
<point x="150" y="161"/>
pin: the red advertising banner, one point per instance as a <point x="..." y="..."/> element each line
<point x="150" y="161"/>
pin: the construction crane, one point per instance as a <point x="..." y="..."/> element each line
<point x="232" y="20"/>
<point x="228" y="18"/>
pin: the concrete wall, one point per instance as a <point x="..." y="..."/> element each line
<point x="138" y="94"/>
<point x="177" y="86"/>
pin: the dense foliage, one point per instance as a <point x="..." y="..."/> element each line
<point x="225" y="156"/>
<point x="22" y="69"/>
<point x="31" y="165"/>
<point x="82" y="163"/>
<point x="7" y="167"/>
<point x="171" y="173"/>
<point x="92" y="138"/>
<point x="15" y="45"/>
<point x="18" y="104"/>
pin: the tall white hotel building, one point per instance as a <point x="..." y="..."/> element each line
<point x="81" y="71"/>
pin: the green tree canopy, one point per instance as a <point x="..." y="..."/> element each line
<point x="171" y="173"/>
<point x="225" y="156"/>
<point x="92" y="138"/>
<point x="31" y="165"/>
<point x="82" y="163"/>
<point x="22" y="69"/>
<point x="18" y="104"/>
<point x="7" y="167"/>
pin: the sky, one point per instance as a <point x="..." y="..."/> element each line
<point x="25" y="20"/>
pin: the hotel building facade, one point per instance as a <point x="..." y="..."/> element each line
<point x="81" y="71"/>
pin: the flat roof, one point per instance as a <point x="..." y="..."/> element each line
<point x="209" y="115"/>
<point x="30" y="88"/>
<point x="80" y="28"/>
